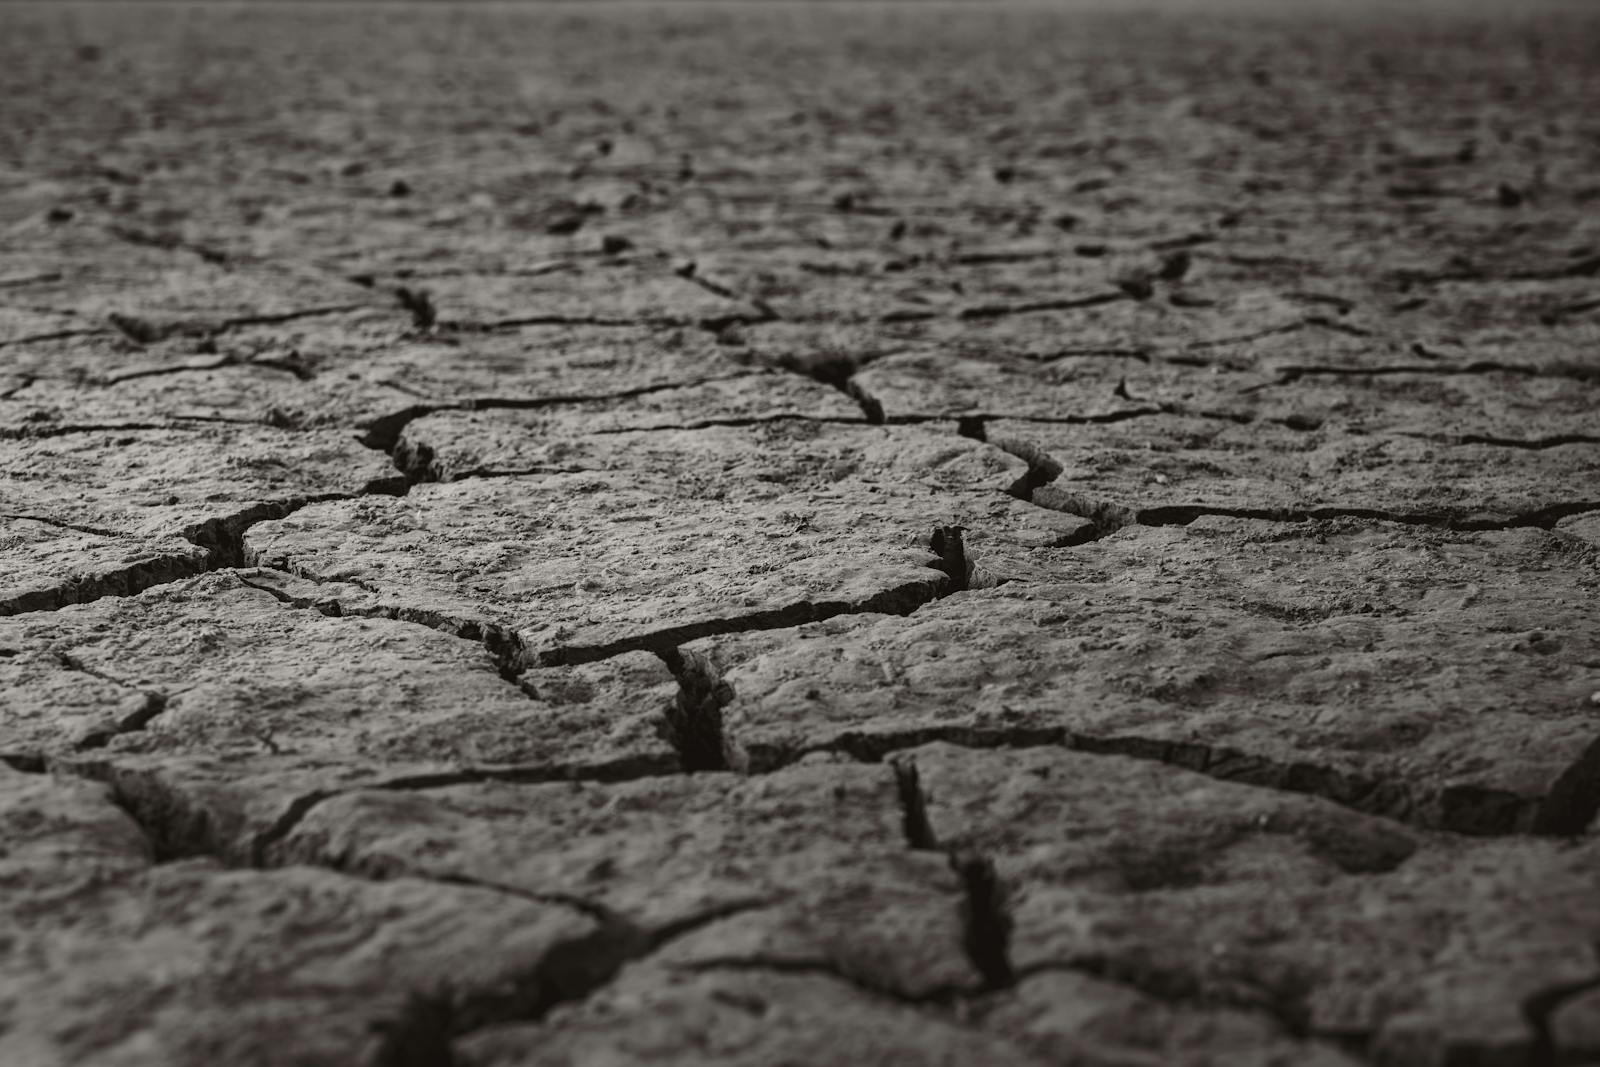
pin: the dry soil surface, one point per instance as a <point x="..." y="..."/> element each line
<point x="807" y="535"/>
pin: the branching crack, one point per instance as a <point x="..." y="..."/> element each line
<point x="504" y="645"/>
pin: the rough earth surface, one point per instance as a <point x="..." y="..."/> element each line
<point x="809" y="534"/>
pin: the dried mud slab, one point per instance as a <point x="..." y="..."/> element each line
<point x="1072" y="1016"/>
<point x="61" y="839"/>
<point x="173" y="947"/>
<point x="1251" y="327"/>
<point x="166" y="295"/>
<point x="1430" y="401"/>
<point x="733" y="1016"/>
<point x="609" y="553"/>
<point x="289" y="342"/>
<point x="221" y="666"/>
<point x="152" y="497"/>
<point x="50" y="564"/>
<point x="1418" y="951"/>
<point x="213" y="391"/>
<point x="1171" y="468"/>
<point x="374" y="377"/>
<point x="450" y="445"/>
<point x="805" y="869"/>
<point x="1330" y="659"/>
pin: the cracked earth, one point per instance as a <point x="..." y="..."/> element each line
<point x="809" y="535"/>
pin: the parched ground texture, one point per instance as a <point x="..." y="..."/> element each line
<point x="799" y="535"/>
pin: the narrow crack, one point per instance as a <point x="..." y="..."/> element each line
<point x="706" y="424"/>
<point x="690" y="273"/>
<point x="84" y="528"/>
<point x="417" y="460"/>
<point x="19" y="281"/>
<point x="711" y="324"/>
<point x="58" y="335"/>
<point x="144" y="331"/>
<point x="1104" y="418"/>
<point x="900" y="600"/>
<point x="220" y="363"/>
<point x="42" y="431"/>
<point x="239" y="321"/>
<point x="1586" y="267"/>
<point x="1529" y="443"/>
<point x="1555" y="315"/>
<point x="527" y="403"/>
<point x="25" y="382"/>
<point x="167" y="242"/>
<point x="1246" y="338"/>
<point x="1140" y="355"/>
<point x="996" y="311"/>
<point x="1335" y="326"/>
<point x="1109" y="516"/>
<point x="1290" y="374"/>
<point x="985" y="908"/>
<point x="953" y="569"/>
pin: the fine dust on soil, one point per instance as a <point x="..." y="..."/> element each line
<point x="741" y="534"/>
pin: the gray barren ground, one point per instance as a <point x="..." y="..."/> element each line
<point x="806" y="534"/>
